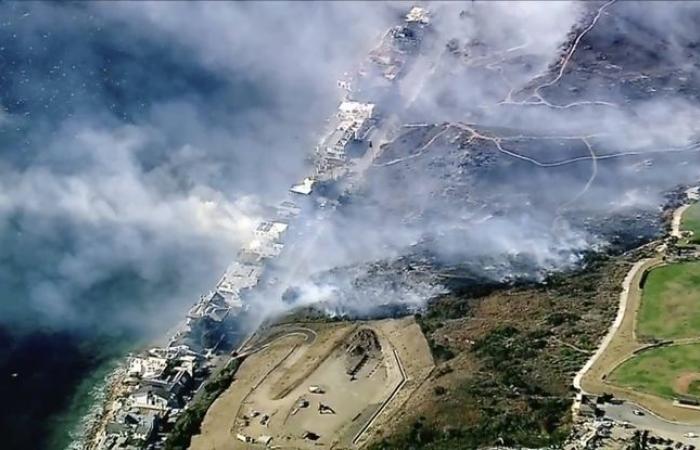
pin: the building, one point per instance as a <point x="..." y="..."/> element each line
<point x="271" y="230"/>
<point x="330" y="167"/>
<point x="137" y="427"/>
<point x="242" y="276"/>
<point x="231" y="293"/>
<point x="355" y="120"/>
<point x="153" y="398"/>
<point x="305" y="187"/>
<point x="336" y="144"/>
<point x="212" y="306"/>
<point x="418" y="15"/>
<point x="356" y="110"/>
<point x="265" y="248"/>
<point x="288" y="210"/>
<point x="236" y="280"/>
<point x="147" y="367"/>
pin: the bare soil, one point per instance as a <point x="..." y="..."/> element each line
<point x="682" y="383"/>
<point x="360" y="369"/>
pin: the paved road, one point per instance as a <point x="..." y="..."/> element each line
<point x="655" y="424"/>
<point x="676" y="223"/>
<point x="621" y="310"/>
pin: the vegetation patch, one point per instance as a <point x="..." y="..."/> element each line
<point x="190" y="421"/>
<point x="691" y="222"/>
<point x="505" y="362"/>
<point x="663" y="371"/>
<point x="670" y="307"/>
<point x="694" y="388"/>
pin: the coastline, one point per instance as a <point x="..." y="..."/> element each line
<point x="88" y="433"/>
<point x="216" y="311"/>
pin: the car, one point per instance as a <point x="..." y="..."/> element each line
<point x="690" y="434"/>
<point x="637" y="412"/>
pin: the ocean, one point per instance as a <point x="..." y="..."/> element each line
<point x="131" y="164"/>
<point x="80" y="288"/>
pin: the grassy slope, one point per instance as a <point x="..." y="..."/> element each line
<point x="694" y="389"/>
<point x="691" y="221"/>
<point x="506" y="362"/>
<point x="655" y="371"/>
<point x="670" y="306"/>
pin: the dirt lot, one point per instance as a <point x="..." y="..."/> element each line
<point x="359" y="372"/>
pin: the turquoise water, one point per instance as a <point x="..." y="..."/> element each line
<point x="67" y="426"/>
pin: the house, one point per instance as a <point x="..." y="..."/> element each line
<point x="231" y="293"/>
<point x="271" y="230"/>
<point x="188" y="363"/>
<point x="153" y="398"/>
<point x="418" y="15"/>
<point x="303" y="188"/>
<point x="265" y="248"/>
<point x="330" y="168"/>
<point x="357" y="117"/>
<point x="146" y="367"/>
<point x="355" y="120"/>
<point x="351" y="110"/>
<point x="287" y="209"/>
<point x="336" y="143"/>
<point x="212" y="305"/>
<point x="239" y="277"/>
<point x="133" y="426"/>
<point x="144" y="426"/>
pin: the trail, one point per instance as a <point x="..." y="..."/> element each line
<point x="694" y="147"/>
<point x="497" y="142"/>
<point x="571" y="52"/>
<point x="420" y="151"/>
<point x="594" y="173"/>
<point x="541" y="101"/>
<point x="676" y="222"/>
<point x="622" y="307"/>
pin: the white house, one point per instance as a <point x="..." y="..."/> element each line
<point x="153" y="398"/>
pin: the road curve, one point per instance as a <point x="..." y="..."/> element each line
<point x="621" y="310"/>
<point x="676" y="222"/>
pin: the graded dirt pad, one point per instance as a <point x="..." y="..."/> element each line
<point x="219" y="420"/>
<point x="415" y="357"/>
<point x="325" y="393"/>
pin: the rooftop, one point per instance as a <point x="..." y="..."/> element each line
<point x="304" y="188"/>
<point x="419" y="15"/>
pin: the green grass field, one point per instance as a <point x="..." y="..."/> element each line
<point x="670" y="306"/>
<point x="691" y="222"/>
<point x="656" y="371"/>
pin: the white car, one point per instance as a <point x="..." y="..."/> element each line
<point x="690" y="435"/>
<point x="637" y="412"/>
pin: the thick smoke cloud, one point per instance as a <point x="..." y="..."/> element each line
<point x="232" y="98"/>
<point x="163" y="130"/>
<point x="141" y="141"/>
<point x="536" y="219"/>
